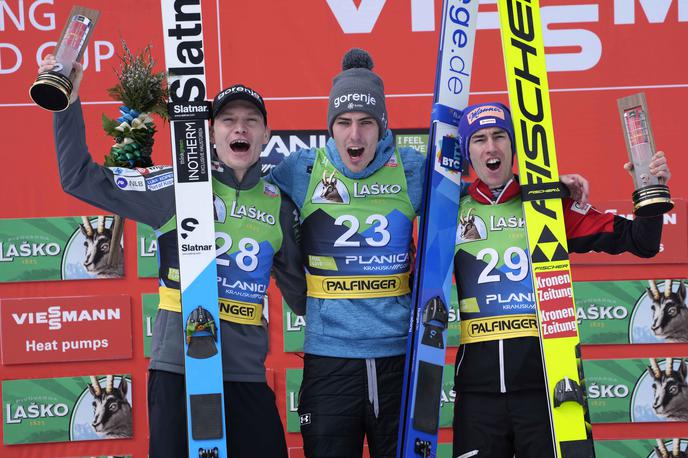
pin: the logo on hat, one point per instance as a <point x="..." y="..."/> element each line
<point x="239" y="89"/>
<point x="485" y="111"/>
<point x="366" y="99"/>
<point x="239" y="92"/>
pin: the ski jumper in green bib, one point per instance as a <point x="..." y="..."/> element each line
<point x="357" y="232"/>
<point x="247" y="235"/>
<point x="493" y="272"/>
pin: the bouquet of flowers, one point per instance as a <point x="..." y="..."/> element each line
<point x="143" y="93"/>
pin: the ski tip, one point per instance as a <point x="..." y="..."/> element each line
<point x="357" y="58"/>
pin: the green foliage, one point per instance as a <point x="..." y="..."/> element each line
<point x="139" y="87"/>
<point x="145" y="92"/>
<point x="109" y="126"/>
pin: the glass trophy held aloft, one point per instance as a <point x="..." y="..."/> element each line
<point x="52" y="89"/>
<point x="651" y="196"/>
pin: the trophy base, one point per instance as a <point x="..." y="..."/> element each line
<point x="51" y="91"/>
<point x="652" y="200"/>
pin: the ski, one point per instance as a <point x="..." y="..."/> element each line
<point x="524" y="57"/>
<point x="425" y="355"/>
<point x="189" y="115"/>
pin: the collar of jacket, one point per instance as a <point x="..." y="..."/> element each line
<point x="225" y="174"/>
<point x="383" y="151"/>
<point x="482" y="193"/>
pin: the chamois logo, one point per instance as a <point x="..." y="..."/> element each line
<point x="661" y="451"/>
<point x="669" y="311"/>
<point x="330" y="190"/>
<point x="111" y="409"/>
<point x="219" y="209"/>
<point x="471" y="228"/>
<point x="103" y="256"/>
<point x="670" y="389"/>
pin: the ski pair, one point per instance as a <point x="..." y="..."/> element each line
<point x="524" y="57"/>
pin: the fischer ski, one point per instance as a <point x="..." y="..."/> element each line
<point x="189" y="115"/>
<point x="524" y="56"/>
<point x="425" y="356"/>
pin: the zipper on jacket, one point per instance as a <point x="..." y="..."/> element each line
<point x="502" y="382"/>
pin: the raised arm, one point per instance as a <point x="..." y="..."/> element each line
<point x="122" y="191"/>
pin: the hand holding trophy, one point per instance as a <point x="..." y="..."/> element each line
<point x="649" y="169"/>
<point x="53" y="88"/>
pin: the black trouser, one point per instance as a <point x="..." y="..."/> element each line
<point x="342" y="400"/>
<point x="501" y="425"/>
<point x="254" y="426"/>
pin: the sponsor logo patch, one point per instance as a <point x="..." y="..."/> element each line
<point x="557" y="314"/>
<point x="188" y="225"/>
<point x="487" y="111"/>
<point x="305" y="419"/>
<point x="355" y="99"/>
<point x="470" y="229"/>
<point x="125" y="172"/>
<point x="503" y="327"/>
<point x="216" y="166"/>
<point x="131" y="183"/>
<point x="354" y="284"/>
<point x="392" y="162"/>
<point x="238" y="310"/>
<point x="153" y="169"/>
<point x="330" y="191"/>
<point x="161" y="181"/>
<point x="582" y="209"/>
<point x="270" y="190"/>
<point x="219" y="209"/>
<point x="173" y="274"/>
<point x="239" y="89"/>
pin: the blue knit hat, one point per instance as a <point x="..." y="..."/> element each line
<point x="481" y="116"/>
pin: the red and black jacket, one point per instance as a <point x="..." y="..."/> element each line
<point x="516" y="364"/>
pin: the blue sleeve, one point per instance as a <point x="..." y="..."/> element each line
<point x="464" y="187"/>
<point x="414" y="168"/>
<point x="293" y="174"/>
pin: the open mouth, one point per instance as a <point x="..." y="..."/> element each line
<point x="239" y="146"/>
<point x="355" y="152"/>
<point x="493" y="163"/>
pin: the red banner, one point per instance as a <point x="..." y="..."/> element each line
<point x="674" y="247"/>
<point x="57" y="329"/>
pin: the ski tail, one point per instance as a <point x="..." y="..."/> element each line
<point x="526" y="75"/>
<point x="426" y="347"/>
